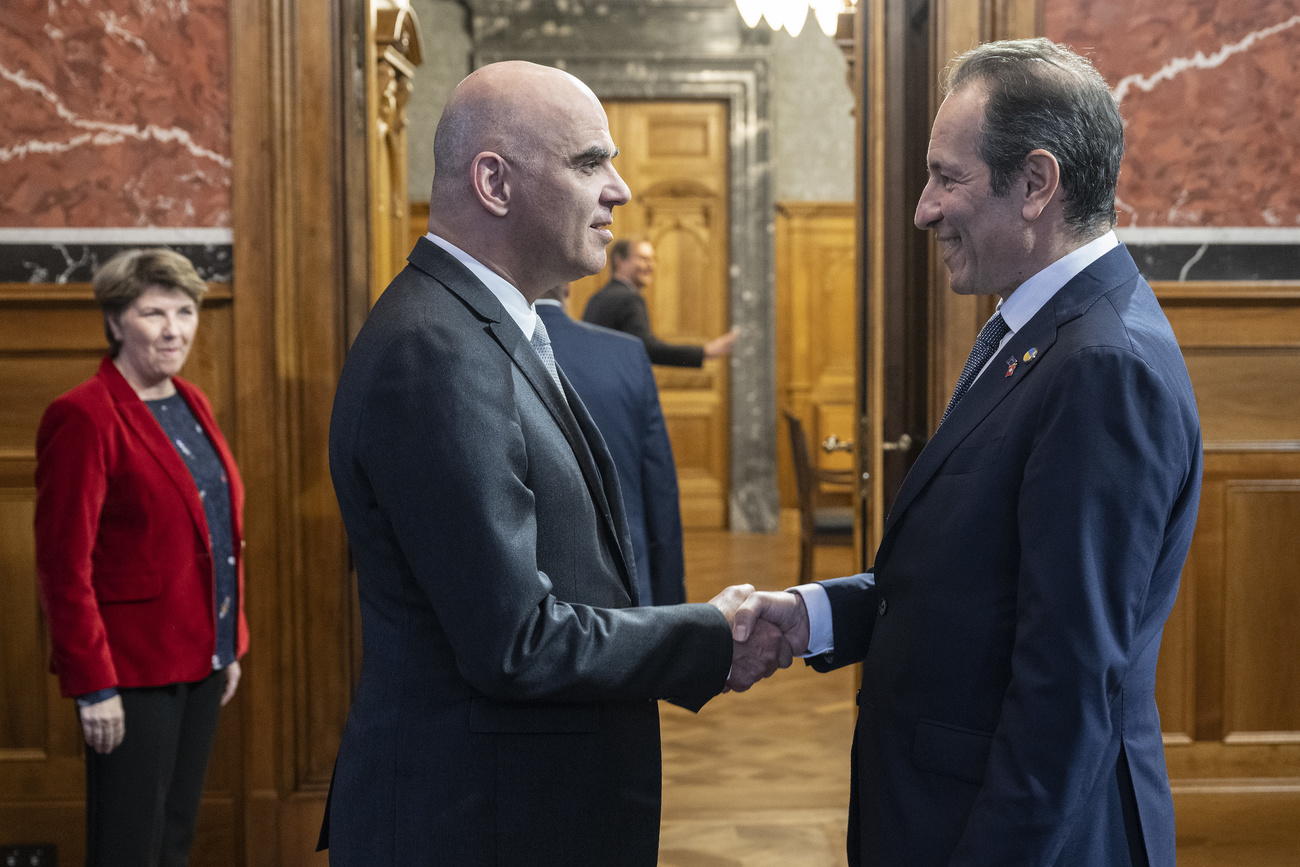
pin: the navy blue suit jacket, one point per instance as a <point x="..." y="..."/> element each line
<point x="611" y="373"/>
<point x="1007" y="712"/>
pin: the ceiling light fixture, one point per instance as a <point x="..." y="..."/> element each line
<point x="791" y="14"/>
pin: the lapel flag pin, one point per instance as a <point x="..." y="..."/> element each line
<point x="1031" y="355"/>
<point x="1011" y="366"/>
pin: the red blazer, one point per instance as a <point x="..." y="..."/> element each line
<point x="123" y="556"/>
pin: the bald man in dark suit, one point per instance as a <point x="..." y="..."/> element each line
<point x="506" y="708"/>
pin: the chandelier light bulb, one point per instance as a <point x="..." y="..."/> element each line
<point x="774" y="12"/>
<point x="751" y="11"/>
<point x="828" y="14"/>
<point x="793" y="14"/>
<point x="796" y="13"/>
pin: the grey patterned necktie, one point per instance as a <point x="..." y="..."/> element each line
<point x="542" y="343"/>
<point x="985" y="345"/>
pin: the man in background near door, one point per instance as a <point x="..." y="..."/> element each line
<point x="611" y="373"/>
<point x="620" y="305"/>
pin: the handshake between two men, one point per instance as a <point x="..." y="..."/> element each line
<point x="768" y="630"/>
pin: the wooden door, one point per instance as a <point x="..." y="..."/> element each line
<point x="673" y="156"/>
<point x="816" y="336"/>
<point x="897" y="349"/>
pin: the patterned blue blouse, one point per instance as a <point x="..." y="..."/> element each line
<point x="191" y="443"/>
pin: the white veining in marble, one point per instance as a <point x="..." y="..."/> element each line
<point x="98" y="133"/>
<point x="1196" y="257"/>
<point x="1199" y="60"/>
<point x="113" y="26"/>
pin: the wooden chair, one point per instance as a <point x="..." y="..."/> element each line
<point x="818" y="525"/>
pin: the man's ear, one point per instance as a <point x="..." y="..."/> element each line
<point x="1041" y="178"/>
<point x="489" y="172"/>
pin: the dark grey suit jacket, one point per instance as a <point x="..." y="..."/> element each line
<point x="620" y="307"/>
<point x="612" y="373"/>
<point x="505" y="712"/>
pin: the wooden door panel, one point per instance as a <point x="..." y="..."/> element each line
<point x="1176" y="667"/>
<point x="1261" y="665"/>
<point x="22" y="662"/>
<point x="673" y="156"/>
<point x="1229" y="676"/>
<point x="1247" y="395"/>
<point x="816" y="266"/>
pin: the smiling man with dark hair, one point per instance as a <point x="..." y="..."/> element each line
<point x="1010" y="626"/>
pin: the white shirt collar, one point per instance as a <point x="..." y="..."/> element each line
<point x="510" y="297"/>
<point x="1031" y="295"/>
<point x="550" y="301"/>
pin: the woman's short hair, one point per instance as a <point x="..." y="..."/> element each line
<point x="126" y="276"/>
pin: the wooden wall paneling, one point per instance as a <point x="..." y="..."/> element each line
<point x="673" y="156"/>
<point x="1262" y="668"/>
<point x="1176" y="668"/>
<point x="790" y="338"/>
<point x="869" y="209"/>
<point x="1016" y="19"/>
<point x="25" y="713"/>
<point x="259" y="207"/>
<point x="1232" y="649"/>
<point x="816" y="331"/>
<point x="1205" y="656"/>
<point x="301" y="268"/>
<point x="309" y="339"/>
<point x="51" y="339"/>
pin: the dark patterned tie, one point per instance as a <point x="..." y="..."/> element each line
<point x="542" y="343"/>
<point x="985" y="345"/>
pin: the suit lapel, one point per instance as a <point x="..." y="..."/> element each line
<point x="153" y="440"/>
<point x="611" y="503"/>
<point x="1038" y="335"/>
<point x="443" y="267"/>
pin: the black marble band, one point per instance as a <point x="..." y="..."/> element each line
<point x="1217" y="261"/>
<point x="77" y="263"/>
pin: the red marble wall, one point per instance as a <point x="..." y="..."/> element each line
<point x="116" y="113"/>
<point x="1209" y="92"/>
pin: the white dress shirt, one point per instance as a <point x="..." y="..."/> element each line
<point x="510" y="297"/>
<point x="1028" y="298"/>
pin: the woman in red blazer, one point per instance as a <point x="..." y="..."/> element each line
<point x="139" y="537"/>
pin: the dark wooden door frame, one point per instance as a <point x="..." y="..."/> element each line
<point x="899" y="422"/>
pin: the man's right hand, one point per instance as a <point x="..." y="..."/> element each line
<point x="785" y="610"/>
<point x="104" y="724"/>
<point x="729" y="600"/>
<point x="722" y="344"/>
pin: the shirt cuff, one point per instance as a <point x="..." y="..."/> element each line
<point x="821" y="634"/>
<point x="96" y="697"/>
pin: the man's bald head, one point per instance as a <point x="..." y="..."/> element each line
<point x="503" y="108"/>
<point x="524" y="180"/>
